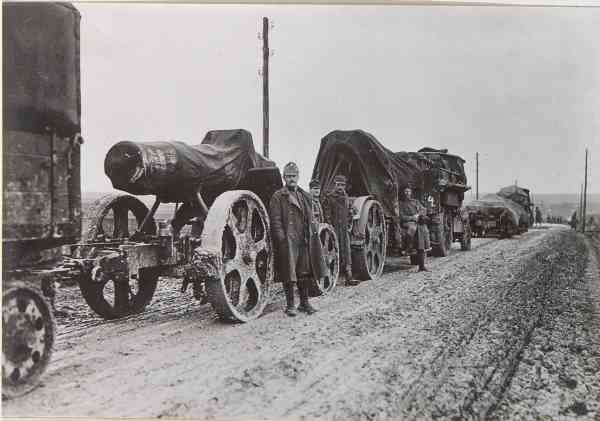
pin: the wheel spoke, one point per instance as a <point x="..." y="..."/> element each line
<point x="260" y="246"/>
<point x="121" y="222"/>
<point x="121" y="291"/>
<point x="230" y="265"/>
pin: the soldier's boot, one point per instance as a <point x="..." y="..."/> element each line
<point x="305" y="306"/>
<point x="421" y="261"/>
<point x="290" y="308"/>
<point x="349" y="278"/>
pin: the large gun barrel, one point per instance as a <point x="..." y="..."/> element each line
<point x="145" y="168"/>
<point x="174" y="170"/>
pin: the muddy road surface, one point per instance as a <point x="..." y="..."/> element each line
<point x="508" y="330"/>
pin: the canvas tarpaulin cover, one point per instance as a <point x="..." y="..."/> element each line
<point x="41" y="67"/>
<point x="173" y="169"/>
<point x="520" y="197"/>
<point x="369" y="166"/>
<point x="492" y="205"/>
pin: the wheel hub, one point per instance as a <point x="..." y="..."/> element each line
<point x="20" y="337"/>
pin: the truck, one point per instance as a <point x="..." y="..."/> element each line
<point x="41" y="193"/>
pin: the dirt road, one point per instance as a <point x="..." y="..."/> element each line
<point x="503" y="331"/>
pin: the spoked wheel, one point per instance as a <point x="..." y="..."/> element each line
<point x="330" y="246"/>
<point x="237" y="230"/>
<point x="114" y="218"/>
<point x="112" y="299"/>
<point x="368" y="262"/>
<point x="27" y="339"/>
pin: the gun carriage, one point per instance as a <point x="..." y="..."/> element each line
<point x="218" y="240"/>
<point x="376" y="177"/>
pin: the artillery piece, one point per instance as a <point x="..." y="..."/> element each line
<point x="218" y="241"/>
<point x="376" y="176"/>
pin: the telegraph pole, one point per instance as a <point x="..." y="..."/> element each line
<point x="580" y="210"/>
<point x="265" y="75"/>
<point x="476" y="175"/>
<point x="585" y="190"/>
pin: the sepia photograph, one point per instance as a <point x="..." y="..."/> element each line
<point x="300" y="211"/>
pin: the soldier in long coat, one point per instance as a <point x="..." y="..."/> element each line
<point x="298" y="251"/>
<point x="412" y="214"/>
<point x="337" y="211"/>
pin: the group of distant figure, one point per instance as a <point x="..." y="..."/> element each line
<point x="539" y="219"/>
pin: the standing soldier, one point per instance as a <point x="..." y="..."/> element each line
<point x="412" y="218"/>
<point x="574" y="220"/>
<point x="337" y="212"/>
<point x="315" y="193"/>
<point x="292" y="224"/>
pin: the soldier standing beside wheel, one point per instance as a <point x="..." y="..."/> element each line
<point x="412" y="218"/>
<point x="337" y="212"/>
<point x="292" y="224"/>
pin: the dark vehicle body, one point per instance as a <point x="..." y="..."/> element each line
<point x="376" y="180"/>
<point x="41" y="178"/>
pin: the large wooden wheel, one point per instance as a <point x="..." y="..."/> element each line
<point x="237" y="231"/>
<point x="27" y="339"/>
<point x="331" y="253"/>
<point x="113" y="217"/>
<point x="368" y="262"/>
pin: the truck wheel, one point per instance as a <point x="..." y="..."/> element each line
<point x="368" y="262"/>
<point x="442" y="248"/>
<point x="27" y="339"/>
<point x="330" y="246"/>
<point x="237" y="231"/>
<point x="465" y="241"/>
<point x="109" y="220"/>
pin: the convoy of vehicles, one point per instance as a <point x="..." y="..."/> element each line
<point x="218" y="241"/>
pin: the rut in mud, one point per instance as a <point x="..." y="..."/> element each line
<point x="500" y="332"/>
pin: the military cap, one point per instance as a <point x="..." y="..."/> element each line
<point x="339" y="178"/>
<point x="314" y="183"/>
<point x="290" y="169"/>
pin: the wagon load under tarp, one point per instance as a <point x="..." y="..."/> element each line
<point x="173" y="170"/>
<point x="491" y="206"/>
<point x="522" y="203"/>
<point x="371" y="168"/>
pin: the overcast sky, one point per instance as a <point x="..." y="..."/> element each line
<point x="519" y="85"/>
